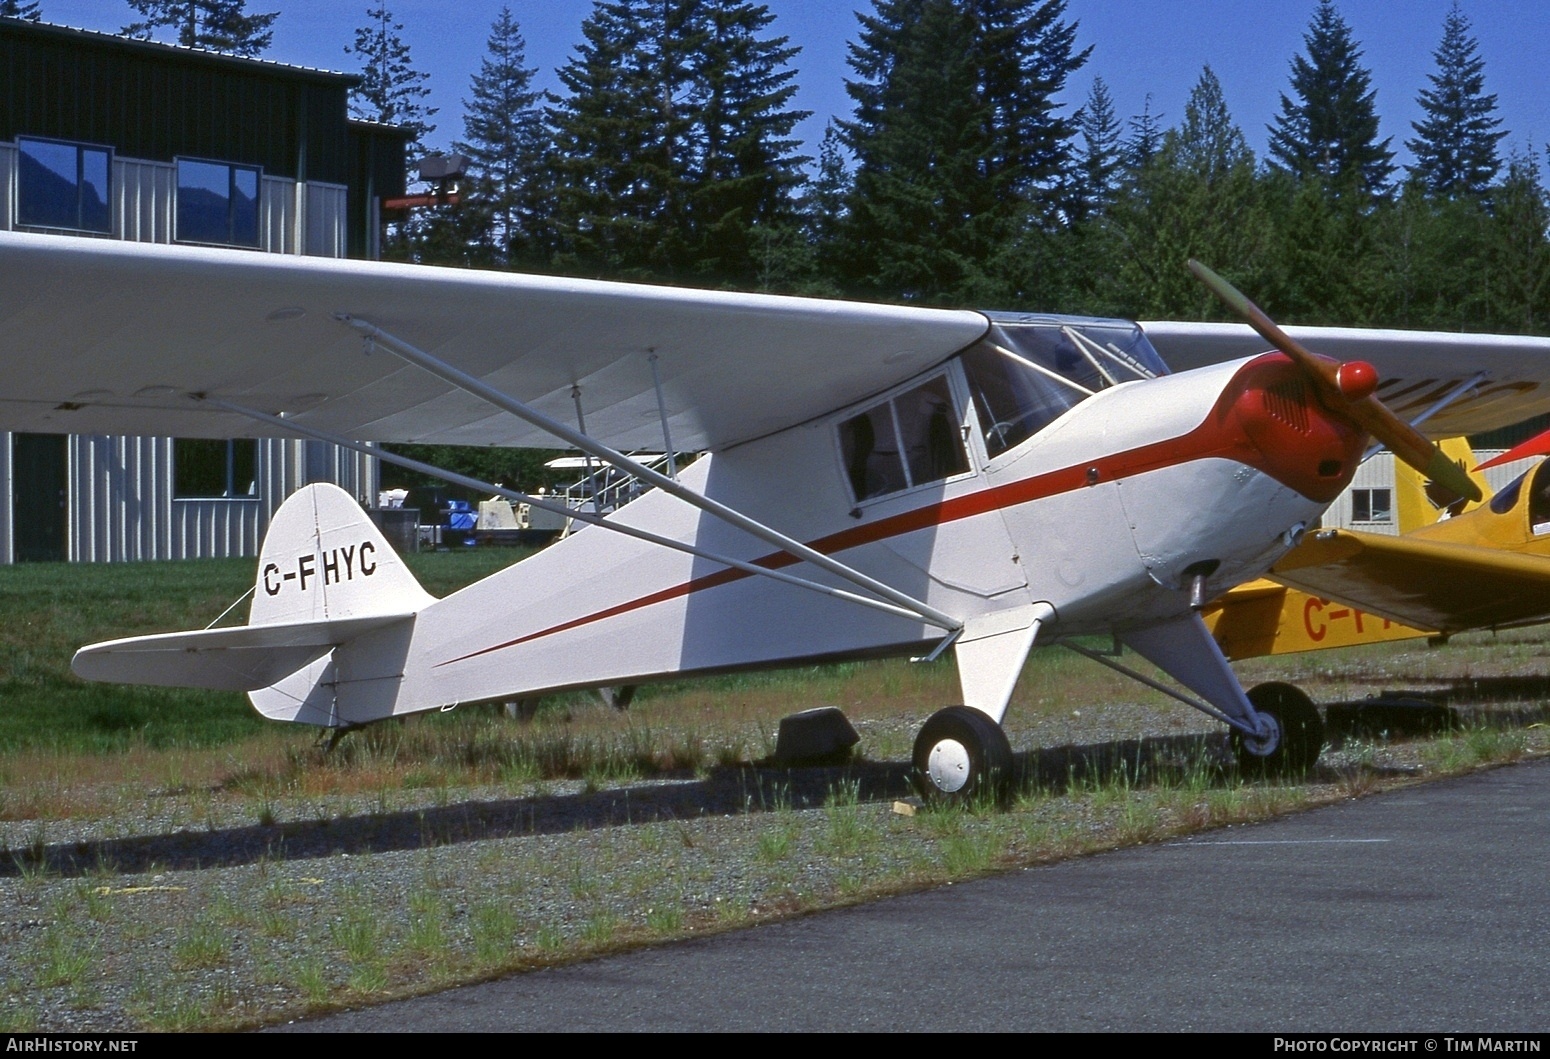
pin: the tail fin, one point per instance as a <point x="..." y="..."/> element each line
<point x="1416" y="499"/>
<point x="324" y="560"/>
<point x="325" y="577"/>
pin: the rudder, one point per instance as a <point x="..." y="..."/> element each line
<point x="324" y="559"/>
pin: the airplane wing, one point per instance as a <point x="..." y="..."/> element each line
<point x="1424" y="584"/>
<point x="103" y="336"/>
<point x="1416" y="368"/>
<point x="1267" y="618"/>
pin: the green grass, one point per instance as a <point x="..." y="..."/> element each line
<point x="51" y="609"/>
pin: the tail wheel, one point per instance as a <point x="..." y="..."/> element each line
<point x="1294" y="733"/>
<point x="961" y="755"/>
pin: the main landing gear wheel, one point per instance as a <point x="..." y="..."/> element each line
<point x="1295" y="733"/>
<point x="962" y="756"/>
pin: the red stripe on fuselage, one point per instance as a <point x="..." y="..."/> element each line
<point x="1216" y="437"/>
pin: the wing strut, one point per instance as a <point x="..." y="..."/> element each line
<point x="468" y="383"/>
<point x="581" y="425"/>
<point x="667" y="436"/>
<point x="579" y="515"/>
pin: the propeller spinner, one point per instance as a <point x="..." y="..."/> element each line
<point x="1347" y="390"/>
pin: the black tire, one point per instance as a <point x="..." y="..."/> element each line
<point x="1294" y="747"/>
<point x="962" y="756"/>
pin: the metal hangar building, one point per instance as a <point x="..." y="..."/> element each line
<point x="107" y="137"/>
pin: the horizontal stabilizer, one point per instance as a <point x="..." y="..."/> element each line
<point x="244" y="658"/>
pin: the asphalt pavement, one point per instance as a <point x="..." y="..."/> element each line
<point x="1419" y="910"/>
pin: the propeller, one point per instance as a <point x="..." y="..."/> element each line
<point x="1347" y="389"/>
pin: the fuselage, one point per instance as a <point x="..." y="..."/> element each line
<point x="1103" y="507"/>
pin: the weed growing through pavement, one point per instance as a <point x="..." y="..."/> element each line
<point x="311" y="977"/>
<point x="494" y="929"/>
<point x="203" y="946"/>
<point x="62" y="956"/>
<point x="665" y="919"/>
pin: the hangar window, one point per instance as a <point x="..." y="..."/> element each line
<point x="1372" y="505"/>
<point x="908" y="440"/>
<point x="214" y="470"/>
<point x="217" y="203"/>
<point x="63" y="185"/>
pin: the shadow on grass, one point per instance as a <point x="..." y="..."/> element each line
<point x="1436" y="709"/>
<point x="726" y="791"/>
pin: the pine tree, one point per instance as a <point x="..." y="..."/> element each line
<point x="824" y="207"/>
<point x="958" y="141"/>
<point x="502" y="126"/>
<point x="618" y="175"/>
<point x="1096" y="179"/>
<point x="1518" y="262"/>
<point x="746" y="169"/>
<point x="1455" y="147"/>
<point x="1197" y="197"/>
<point x="219" y="25"/>
<point x="21" y="9"/>
<point x="391" y="91"/>
<point x="673" y="154"/>
<point x="923" y="209"/>
<point x="1330" y="133"/>
<point x="1146" y="133"/>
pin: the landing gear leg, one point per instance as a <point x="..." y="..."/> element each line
<point x="962" y="756"/>
<point x="1294" y="733"/>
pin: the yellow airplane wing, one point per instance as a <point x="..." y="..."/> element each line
<point x="1267" y="618"/>
<point x="1426" y="584"/>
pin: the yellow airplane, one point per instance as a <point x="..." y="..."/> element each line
<point x="1481" y="568"/>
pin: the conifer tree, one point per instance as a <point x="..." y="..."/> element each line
<point x="746" y="167"/>
<point x="1197" y="197"/>
<point x="1146" y="133"/>
<point x="673" y="152"/>
<point x="391" y="91"/>
<point x="618" y="201"/>
<point x="21" y="9"/>
<point x="1329" y="132"/>
<point x="1099" y="162"/>
<point x="1455" y="146"/>
<point x="958" y="140"/>
<point x="1519" y="250"/>
<point x="219" y="25"/>
<point x="502" y="126"/>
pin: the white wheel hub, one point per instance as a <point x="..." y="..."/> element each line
<point x="948" y="766"/>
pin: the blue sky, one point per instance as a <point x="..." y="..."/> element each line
<point x="1139" y="47"/>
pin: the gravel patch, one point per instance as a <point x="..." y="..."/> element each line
<point x="187" y="909"/>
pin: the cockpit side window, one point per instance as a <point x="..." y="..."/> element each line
<point x="1507" y="496"/>
<point x="908" y="440"/>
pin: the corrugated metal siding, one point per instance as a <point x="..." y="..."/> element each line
<point x="142" y="195"/>
<point x="156" y="102"/>
<point x="277" y="216"/>
<point x="327" y="210"/>
<point x="121" y="503"/>
<point x="7" y="186"/>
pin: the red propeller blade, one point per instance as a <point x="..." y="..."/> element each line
<point x="1346" y="389"/>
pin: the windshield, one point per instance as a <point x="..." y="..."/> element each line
<point x="1028" y="370"/>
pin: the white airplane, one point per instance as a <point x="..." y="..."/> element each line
<point x="878" y="480"/>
